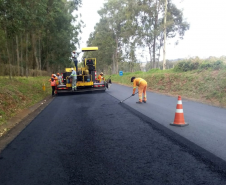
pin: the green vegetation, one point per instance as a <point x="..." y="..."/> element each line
<point x="20" y="93"/>
<point x="205" y="84"/>
<point x="127" y="25"/>
<point x="37" y="35"/>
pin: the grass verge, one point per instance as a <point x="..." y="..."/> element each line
<point x="20" y="93"/>
<point x="207" y="86"/>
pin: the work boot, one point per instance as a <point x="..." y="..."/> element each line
<point x="139" y="102"/>
<point x="144" y="101"/>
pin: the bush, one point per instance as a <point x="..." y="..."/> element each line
<point x="218" y="65"/>
<point x="184" y="66"/>
<point x="212" y="65"/>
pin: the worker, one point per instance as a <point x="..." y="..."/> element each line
<point x="53" y="83"/>
<point x="74" y="58"/>
<point x="74" y="79"/>
<point x="57" y="82"/>
<point x="59" y="79"/>
<point x="142" y="86"/>
<point x="100" y="77"/>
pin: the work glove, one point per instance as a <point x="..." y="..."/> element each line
<point x="133" y="94"/>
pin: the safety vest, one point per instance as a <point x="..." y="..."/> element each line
<point x="137" y="82"/>
<point x="100" y="78"/>
<point x="140" y="81"/>
<point x="53" y="82"/>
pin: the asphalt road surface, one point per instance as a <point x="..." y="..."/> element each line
<point x="207" y="124"/>
<point x="91" y="138"/>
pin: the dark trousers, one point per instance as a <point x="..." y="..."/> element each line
<point x="76" y="64"/>
<point x="53" y="89"/>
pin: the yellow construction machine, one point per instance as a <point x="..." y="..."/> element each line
<point x="86" y="77"/>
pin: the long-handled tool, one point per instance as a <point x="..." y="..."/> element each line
<point x="127" y="98"/>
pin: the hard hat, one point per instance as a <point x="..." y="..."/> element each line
<point x="101" y="73"/>
<point x="132" y="78"/>
<point x="72" y="69"/>
<point x="54" y="74"/>
<point x="73" y="51"/>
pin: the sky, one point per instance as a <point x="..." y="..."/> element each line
<point x="206" y="36"/>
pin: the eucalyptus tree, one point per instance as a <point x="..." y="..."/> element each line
<point x="102" y="37"/>
<point x="149" y="18"/>
<point x="10" y="24"/>
<point x="42" y="32"/>
<point x="114" y="12"/>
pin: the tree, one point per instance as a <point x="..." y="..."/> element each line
<point x="42" y="33"/>
<point x="128" y="24"/>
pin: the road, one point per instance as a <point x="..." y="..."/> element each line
<point x="207" y="124"/>
<point x="91" y="138"/>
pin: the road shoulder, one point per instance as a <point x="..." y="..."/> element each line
<point x="16" y="124"/>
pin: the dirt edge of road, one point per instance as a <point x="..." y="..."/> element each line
<point x="16" y="124"/>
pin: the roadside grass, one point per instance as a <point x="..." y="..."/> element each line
<point x="207" y="86"/>
<point x="20" y="93"/>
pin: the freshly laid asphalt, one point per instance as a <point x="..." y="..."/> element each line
<point x="207" y="124"/>
<point x="91" y="138"/>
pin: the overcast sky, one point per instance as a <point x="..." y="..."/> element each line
<point x="206" y="37"/>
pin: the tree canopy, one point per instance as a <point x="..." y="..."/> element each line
<point x="126" y="25"/>
<point x="37" y="34"/>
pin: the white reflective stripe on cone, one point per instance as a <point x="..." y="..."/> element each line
<point x="179" y="102"/>
<point x="179" y="111"/>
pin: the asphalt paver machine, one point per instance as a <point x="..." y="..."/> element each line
<point x="86" y="77"/>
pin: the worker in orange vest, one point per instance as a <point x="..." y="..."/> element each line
<point x="52" y="81"/>
<point x="100" y="77"/>
<point x="142" y="87"/>
<point x="59" y="79"/>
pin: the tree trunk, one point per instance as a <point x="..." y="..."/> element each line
<point x="39" y="54"/>
<point x="130" y="67"/>
<point x="9" y="59"/>
<point x="154" y="52"/>
<point x="150" y="57"/>
<point x="113" y="64"/>
<point x="17" y="56"/>
<point x="164" y="48"/>
<point x="116" y="55"/>
<point x="21" y="56"/>
<point x="35" y="51"/>
<point x="155" y="31"/>
<point x="27" y="55"/>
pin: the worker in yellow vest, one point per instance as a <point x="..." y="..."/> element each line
<point x="142" y="87"/>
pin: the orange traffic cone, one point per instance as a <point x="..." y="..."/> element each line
<point x="179" y="115"/>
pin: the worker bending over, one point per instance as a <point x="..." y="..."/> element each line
<point x="142" y="87"/>
<point x="100" y="77"/>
